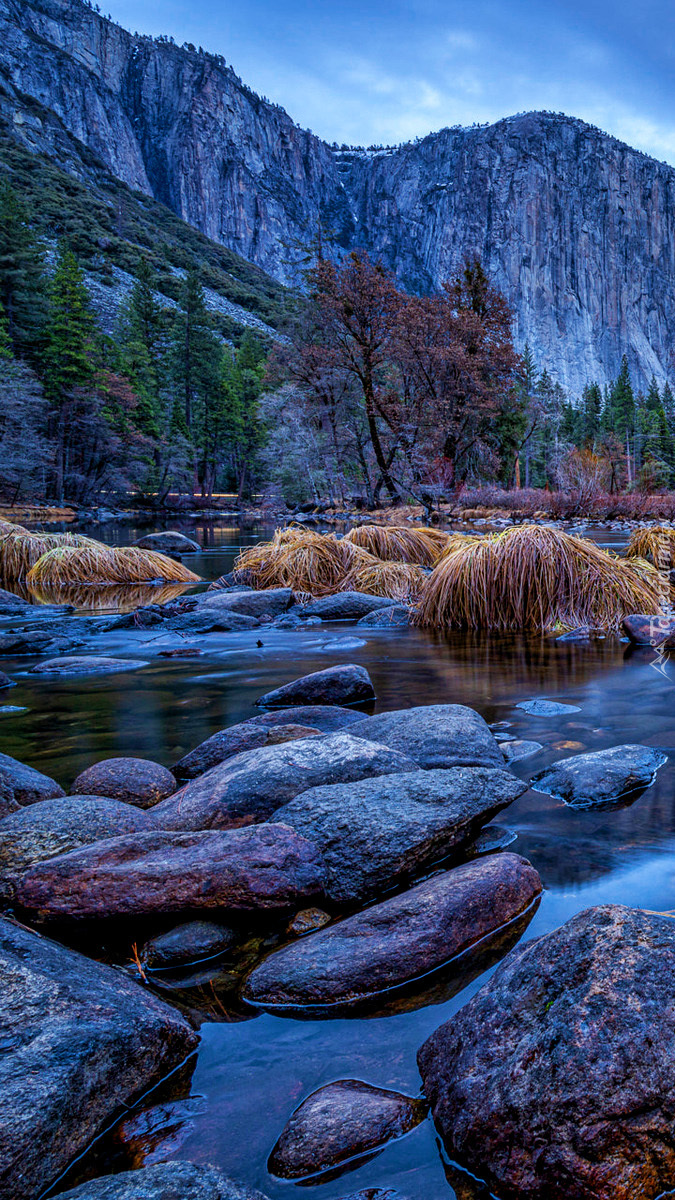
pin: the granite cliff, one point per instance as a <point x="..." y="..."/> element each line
<point x="576" y="228"/>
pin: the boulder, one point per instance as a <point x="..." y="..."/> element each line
<point x="517" y="748"/>
<point x="557" y="1079"/>
<point x="547" y="708"/>
<point x="375" y="832"/>
<point x="169" y="541"/>
<point x="398" y="940"/>
<point x="207" y="620"/>
<point x="340" y="1123"/>
<point x="648" y="630"/>
<point x="163" y="1181"/>
<point x="20" y="785"/>
<point x="344" y="684"/>
<point x="36" y="641"/>
<point x="80" y="1041"/>
<point x="11" y="603"/>
<point x="435" y="735"/>
<point x="251" y="786"/>
<point x="326" y="717"/>
<point x="190" y="942"/>
<point x="263" y="868"/>
<point x="271" y="602"/>
<point x="132" y="780"/>
<point x="345" y="606"/>
<point x="93" y="665"/>
<point x="393" y="616"/>
<point x="601" y="777"/>
<point x="52" y="827"/>
<point x="235" y="740"/>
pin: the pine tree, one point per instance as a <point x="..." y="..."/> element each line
<point x="241" y="382"/>
<point x="622" y="403"/>
<point x="653" y="398"/>
<point x="591" y="414"/>
<point x="22" y="280"/>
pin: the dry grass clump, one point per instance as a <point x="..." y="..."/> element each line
<point x="656" y="544"/>
<point x="396" y="580"/>
<point x="69" y="565"/>
<point x="395" y="543"/>
<point x="21" y="550"/>
<point x="298" y="558"/>
<point x="535" y="579"/>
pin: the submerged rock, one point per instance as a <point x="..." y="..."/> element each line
<point x="340" y="1123"/>
<point x="261" y="868"/>
<point x="79" y="1041"/>
<point x="187" y="943"/>
<point x="374" y="832"/>
<point x="132" y="780"/>
<point x="344" y="684"/>
<point x="21" y="785"/>
<point x="251" y="786"/>
<point x="163" y="1181"/>
<point x="515" y="749"/>
<point x="236" y="740"/>
<point x="5" y="681"/>
<point x="169" y="541"/>
<point x="308" y="920"/>
<point x="152" y="1135"/>
<point x="80" y="665"/>
<point x="388" y="618"/>
<point x="435" y="735"/>
<point x="345" y="606"/>
<point x="398" y="940"/>
<point x="557" y="1079"/>
<point x="36" y="641"/>
<point x="600" y="777"/>
<point x="547" y="708"/>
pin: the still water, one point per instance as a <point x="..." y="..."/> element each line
<point x="251" y="1070"/>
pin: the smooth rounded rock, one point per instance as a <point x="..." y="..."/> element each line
<point x="393" y="617"/>
<point x="329" y="718"/>
<point x="132" y="780"/>
<point x="557" y="1079"/>
<point x="271" y="602"/>
<point x="547" y="708"/>
<point x="648" y="629"/>
<point x="600" y="777"/>
<point x="169" y="541"/>
<point x="187" y="943"/>
<point x="21" y="785"/>
<point x="92" y="665"/>
<point x="163" y="1181"/>
<point x="516" y="748"/>
<point x="236" y="740"/>
<point x="251" y="786"/>
<point x="341" y="1123"/>
<point x="258" y="869"/>
<point x="397" y="941"/>
<point x="435" y="735"/>
<point x="345" y="606"/>
<point x="344" y="684"/>
<point x="375" y="832"/>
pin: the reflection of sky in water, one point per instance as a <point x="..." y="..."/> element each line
<point x="254" y="1072"/>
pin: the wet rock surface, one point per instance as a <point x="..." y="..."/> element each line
<point x="517" y="748"/>
<point x="261" y="868"/>
<point x="435" y="735"/>
<point x="36" y="641"/>
<point x="547" y="708"/>
<point x="21" y="785"/>
<point x="329" y="718"/>
<point x="601" y="777"/>
<point x="92" y="665"/>
<point x="270" y="602"/>
<point x="132" y="780"/>
<point x="169" y="541"/>
<point x="190" y="942"/>
<point x="557" y="1079"/>
<point x="79" y="1040"/>
<point x="344" y="684"/>
<point x="51" y="827"/>
<point x="393" y="616"/>
<point x="374" y="832"/>
<point x="345" y="606"/>
<point x="398" y="940"/>
<point x="163" y="1181"/>
<point x="340" y="1122"/>
<point x="648" y="629"/>
<point x="207" y="620"/>
<point x="251" y="786"/>
<point x="235" y="740"/>
<point x="5" y="681"/>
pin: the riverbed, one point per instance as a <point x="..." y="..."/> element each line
<point x="252" y="1071"/>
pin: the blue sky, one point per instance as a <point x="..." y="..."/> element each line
<point x="390" y="70"/>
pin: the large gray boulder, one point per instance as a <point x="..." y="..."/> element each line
<point x="558" y="1078"/>
<point x="374" y="832"/>
<point x="262" y="868"/>
<point x="21" y="785"/>
<point x="271" y="602"/>
<point x="235" y="740"/>
<point x="343" y="684"/>
<point x="397" y="941"/>
<point x="251" y="786"/>
<point x="435" y="735"/>
<point x="52" y="827"/>
<point x="339" y="1124"/>
<point x="345" y="606"/>
<point x="80" y="1040"/>
<point x="601" y="777"/>
<point x="210" y="620"/>
<point x="133" y="780"/>
<point x="36" y="641"/>
<point x="163" y="1181"/>
<point x="169" y="541"/>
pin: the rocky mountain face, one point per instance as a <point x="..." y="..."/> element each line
<point x="576" y="228"/>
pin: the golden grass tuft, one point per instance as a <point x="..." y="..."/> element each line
<point x="20" y="551"/>
<point x="535" y="579"/>
<point x="402" y="544"/>
<point x="396" y="580"/>
<point x="72" y="565"/>
<point x="298" y="558"/>
<point x="656" y="545"/>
